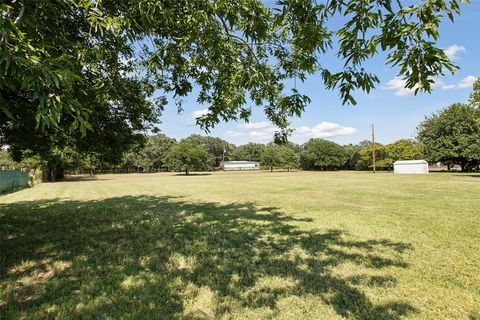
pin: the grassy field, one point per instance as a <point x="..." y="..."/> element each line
<point x="243" y="245"/>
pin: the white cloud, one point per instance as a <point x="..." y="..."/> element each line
<point x="467" y="82"/>
<point x="263" y="132"/>
<point x="234" y="134"/>
<point x="199" y="113"/>
<point x="263" y="135"/>
<point x="260" y="136"/>
<point x="398" y="84"/>
<point x="324" y="130"/>
<point x="452" y="51"/>
<point x="256" y="125"/>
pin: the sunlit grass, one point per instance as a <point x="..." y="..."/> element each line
<point x="243" y="245"/>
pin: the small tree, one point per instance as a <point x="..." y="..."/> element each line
<point x="214" y="146"/>
<point x="288" y="158"/>
<point x="185" y="156"/>
<point x="319" y="154"/>
<point x="6" y="161"/>
<point x="365" y="160"/>
<point x="403" y="149"/>
<point x="271" y="157"/>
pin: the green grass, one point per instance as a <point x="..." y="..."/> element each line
<point x="243" y="245"/>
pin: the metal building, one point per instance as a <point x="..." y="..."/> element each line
<point x="241" y="165"/>
<point x="410" y="167"/>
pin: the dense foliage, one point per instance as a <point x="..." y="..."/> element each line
<point x="319" y="154"/>
<point x="78" y="76"/>
<point x="6" y="162"/>
<point x="216" y="147"/>
<point x="67" y="70"/>
<point x="279" y="157"/>
<point x="150" y="156"/>
<point x="453" y="136"/>
<point x="250" y="152"/>
<point x="386" y="155"/>
<point x="185" y="156"/>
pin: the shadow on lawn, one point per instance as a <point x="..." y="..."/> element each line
<point x="80" y="178"/>
<point x="150" y="257"/>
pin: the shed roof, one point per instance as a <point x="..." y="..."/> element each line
<point x="410" y="162"/>
<point x="240" y="162"/>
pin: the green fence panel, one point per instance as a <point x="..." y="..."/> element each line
<point x="12" y="179"/>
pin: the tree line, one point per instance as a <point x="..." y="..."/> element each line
<point x="205" y="153"/>
<point x="83" y="77"/>
<point x="450" y="136"/>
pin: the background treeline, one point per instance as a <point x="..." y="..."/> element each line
<point x="450" y="136"/>
<point x="196" y="153"/>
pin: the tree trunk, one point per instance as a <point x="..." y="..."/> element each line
<point x="54" y="170"/>
<point x="186" y="172"/>
<point x="271" y="168"/>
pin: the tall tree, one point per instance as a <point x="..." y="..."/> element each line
<point x="59" y="59"/>
<point x="453" y="135"/>
<point x="67" y="71"/>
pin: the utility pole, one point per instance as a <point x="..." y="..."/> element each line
<point x="373" y="148"/>
<point x="223" y="157"/>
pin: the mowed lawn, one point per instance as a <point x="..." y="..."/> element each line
<point x="243" y="245"/>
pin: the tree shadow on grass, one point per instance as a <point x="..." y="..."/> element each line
<point x="80" y="178"/>
<point x="465" y="175"/>
<point x="192" y="174"/>
<point x="162" y="257"/>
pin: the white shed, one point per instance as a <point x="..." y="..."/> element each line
<point x="410" y="167"/>
<point x="241" y="165"/>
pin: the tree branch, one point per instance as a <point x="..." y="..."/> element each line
<point x="225" y="27"/>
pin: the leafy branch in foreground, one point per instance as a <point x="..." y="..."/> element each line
<point x="69" y="65"/>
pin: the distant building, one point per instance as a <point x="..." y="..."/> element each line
<point x="410" y="167"/>
<point x="241" y="165"/>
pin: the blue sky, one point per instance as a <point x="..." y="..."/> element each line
<point x="395" y="111"/>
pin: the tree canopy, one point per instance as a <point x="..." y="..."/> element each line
<point x="249" y="152"/>
<point x="215" y="147"/>
<point x="475" y="95"/>
<point x="403" y="149"/>
<point x="151" y="155"/>
<point x="282" y="156"/>
<point x="319" y="154"/>
<point x="61" y="59"/>
<point x="66" y="70"/>
<point x="453" y="136"/>
<point x="187" y="157"/>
